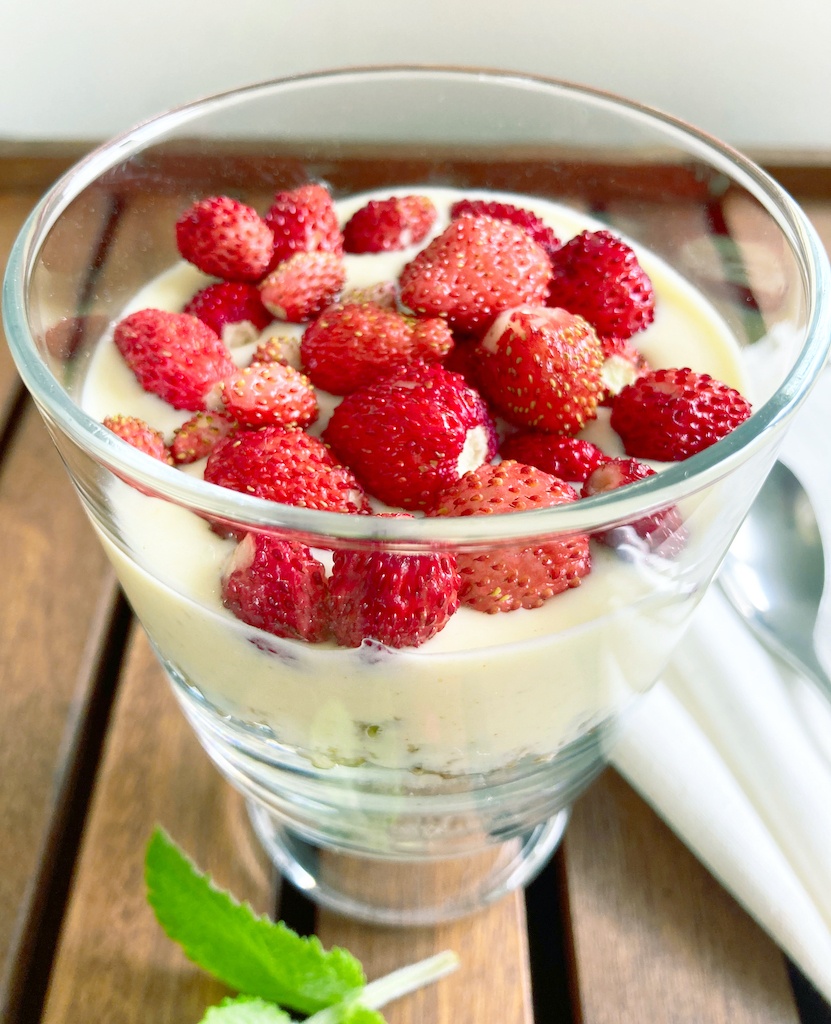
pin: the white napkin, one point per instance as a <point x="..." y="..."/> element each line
<point x="733" y="749"/>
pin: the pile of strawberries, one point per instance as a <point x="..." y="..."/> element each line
<point x="497" y="340"/>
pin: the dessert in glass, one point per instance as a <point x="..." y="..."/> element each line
<point x="411" y="503"/>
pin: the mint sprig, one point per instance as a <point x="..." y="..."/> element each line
<point x="251" y="954"/>
<point x="268" y="963"/>
<point x="245" y="1010"/>
<point x="251" y="1010"/>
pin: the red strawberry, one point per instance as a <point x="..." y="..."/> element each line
<point x="302" y="285"/>
<point x="225" y="238"/>
<point x="543" y="235"/>
<point x="285" y="464"/>
<point x="622" y="364"/>
<point x="504" y="579"/>
<point x="392" y="599"/>
<point x="277" y="586"/>
<point x="269" y="393"/>
<point x="465" y="358"/>
<point x="432" y="338"/>
<point x="352" y="344"/>
<point x="233" y="309"/>
<point x="662" y="531"/>
<point x="597" y="276"/>
<point x="671" y="414"/>
<point x="386" y="225"/>
<point x="410" y="434"/>
<point x="198" y="436"/>
<point x="569" y="458"/>
<point x="476" y="268"/>
<point x="540" y="368"/>
<point x="140" y="435"/>
<point x="303" y="220"/>
<point x="384" y="294"/>
<point x="174" y="356"/>
<point x="279" y="348"/>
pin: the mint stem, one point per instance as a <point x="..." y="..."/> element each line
<point x="394" y="985"/>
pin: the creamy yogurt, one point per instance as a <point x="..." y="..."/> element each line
<point x="488" y="691"/>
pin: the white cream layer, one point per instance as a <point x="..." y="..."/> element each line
<point x="489" y="690"/>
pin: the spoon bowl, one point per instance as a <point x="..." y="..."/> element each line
<point x="774" y="573"/>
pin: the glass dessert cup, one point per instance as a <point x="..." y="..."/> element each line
<point x="418" y="784"/>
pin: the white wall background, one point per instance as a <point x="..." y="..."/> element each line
<point x="754" y="72"/>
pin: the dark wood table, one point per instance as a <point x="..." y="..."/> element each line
<point x="624" y="926"/>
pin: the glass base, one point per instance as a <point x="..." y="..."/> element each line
<point x="398" y="891"/>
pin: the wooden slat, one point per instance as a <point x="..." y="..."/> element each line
<point x="492" y="983"/>
<point x="655" y="937"/>
<point x="820" y="214"/>
<point x="113" y="960"/>
<point x="14" y="207"/>
<point x="114" y="963"/>
<point x="55" y="592"/>
<point x="651" y="928"/>
<point x="37" y="163"/>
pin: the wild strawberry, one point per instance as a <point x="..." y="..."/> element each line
<point x="543" y="235"/>
<point x="277" y="586"/>
<point x="303" y="220"/>
<point x="408" y="435"/>
<point x="225" y="238"/>
<point x="278" y="348"/>
<point x="569" y="458"/>
<point x="198" y="436"/>
<point x="465" y="358"/>
<point x="472" y="271"/>
<point x="386" y="225"/>
<point x="383" y="293"/>
<point x="233" y="309"/>
<point x="540" y="368"/>
<point x="287" y="465"/>
<point x="352" y="344"/>
<point x="269" y="393"/>
<point x="622" y="364"/>
<point x="302" y="285"/>
<point x="662" y="531"/>
<point x="504" y="579"/>
<point x="673" y="413"/>
<point x="140" y="435"/>
<point x="598" y="276"/>
<point x="174" y="356"/>
<point x="392" y="599"/>
<point x="432" y="338"/>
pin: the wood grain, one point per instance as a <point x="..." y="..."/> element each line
<point x="655" y="937"/>
<point x="35" y="164"/>
<point x="55" y="592"/>
<point x="14" y="208"/>
<point x="114" y="963"/>
<point x="492" y="984"/>
<point x="820" y="216"/>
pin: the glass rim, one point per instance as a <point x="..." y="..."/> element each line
<point x="667" y="487"/>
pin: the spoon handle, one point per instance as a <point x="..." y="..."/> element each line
<point x="806" y="663"/>
<point x="811" y="666"/>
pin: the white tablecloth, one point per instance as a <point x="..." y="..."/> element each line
<point x="733" y="749"/>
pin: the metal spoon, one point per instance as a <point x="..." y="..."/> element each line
<point x="774" y="573"/>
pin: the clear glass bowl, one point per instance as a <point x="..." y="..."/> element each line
<point x="417" y="784"/>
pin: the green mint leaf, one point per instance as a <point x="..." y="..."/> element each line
<point x="357" y="1013"/>
<point x="246" y="1010"/>
<point x="251" y="954"/>
<point x="350" y="1011"/>
<point x="361" y="1007"/>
